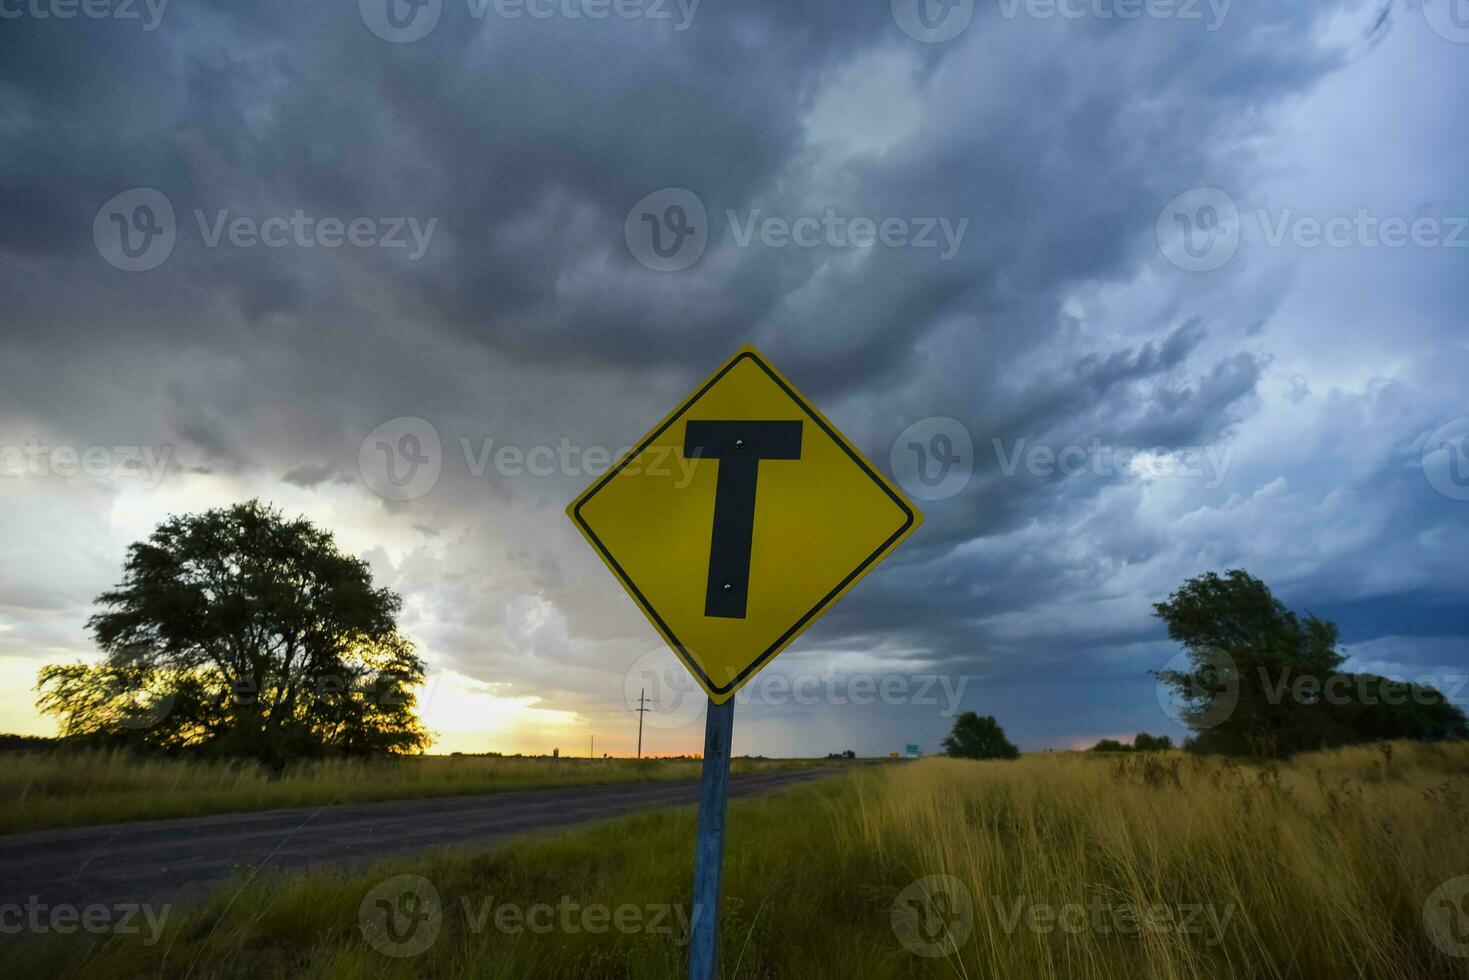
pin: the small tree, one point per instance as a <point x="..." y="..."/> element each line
<point x="976" y="737"/>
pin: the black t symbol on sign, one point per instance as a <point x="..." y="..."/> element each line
<point x="739" y="447"/>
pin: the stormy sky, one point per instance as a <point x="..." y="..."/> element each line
<point x="1120" y="292"/>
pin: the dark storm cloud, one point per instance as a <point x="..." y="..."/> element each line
<point x="531" y="147"/>
<point x="311" y="475"/>
<point x="517" y="148"/>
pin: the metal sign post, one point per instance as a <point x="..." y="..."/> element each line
<point x="709" y="845"/>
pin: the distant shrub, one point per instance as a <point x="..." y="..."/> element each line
<point x="24" y="743"/>
<point x="1142" y="742"/>
<point x="1152" y="743"/>
<point x="1111" y="745"/>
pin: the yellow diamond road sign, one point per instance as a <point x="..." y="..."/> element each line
<point x="739" y="520"/>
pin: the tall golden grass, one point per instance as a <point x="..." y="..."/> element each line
<point x="1316" y="868"/>
<point x="1319" y="869"/>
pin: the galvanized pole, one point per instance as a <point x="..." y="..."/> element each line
<point x="709" y="846"/>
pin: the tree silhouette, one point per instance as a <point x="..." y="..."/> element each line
<point x="1263" y="681"/>
<point x="976" y="737"/>
<point x="242" y="633"/>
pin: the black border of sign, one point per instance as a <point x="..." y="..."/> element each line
<point x="810" y="614"/>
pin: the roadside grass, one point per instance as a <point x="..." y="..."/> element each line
<point x="44" y="790"/>
<point x="1319" y="868"/>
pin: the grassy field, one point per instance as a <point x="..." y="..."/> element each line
<point x="1320" y="868"/>
<point x="40" y="790"/>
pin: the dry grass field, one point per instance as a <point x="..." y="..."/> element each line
<point x="1316" y="868"/>
<point x="40" y="790"/>
<point x="1064" y="866"/>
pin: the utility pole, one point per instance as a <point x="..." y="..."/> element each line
<point x="642" y="709"/>
<point x="592" y="751"/>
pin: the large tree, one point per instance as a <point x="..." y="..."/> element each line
<point x="244" y="633"/>
<point x="976" y="737"/>
<point x="1262" y="681"/>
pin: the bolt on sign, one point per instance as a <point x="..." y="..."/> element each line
<point x="741" y="518"/>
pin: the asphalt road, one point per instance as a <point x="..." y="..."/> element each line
<point x="181" y="861"/>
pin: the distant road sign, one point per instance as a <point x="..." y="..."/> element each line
<point x="741" y="518"/>
<point x="912" y="751"/>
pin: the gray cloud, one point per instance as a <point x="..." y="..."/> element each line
<point x="527" y="321"/>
